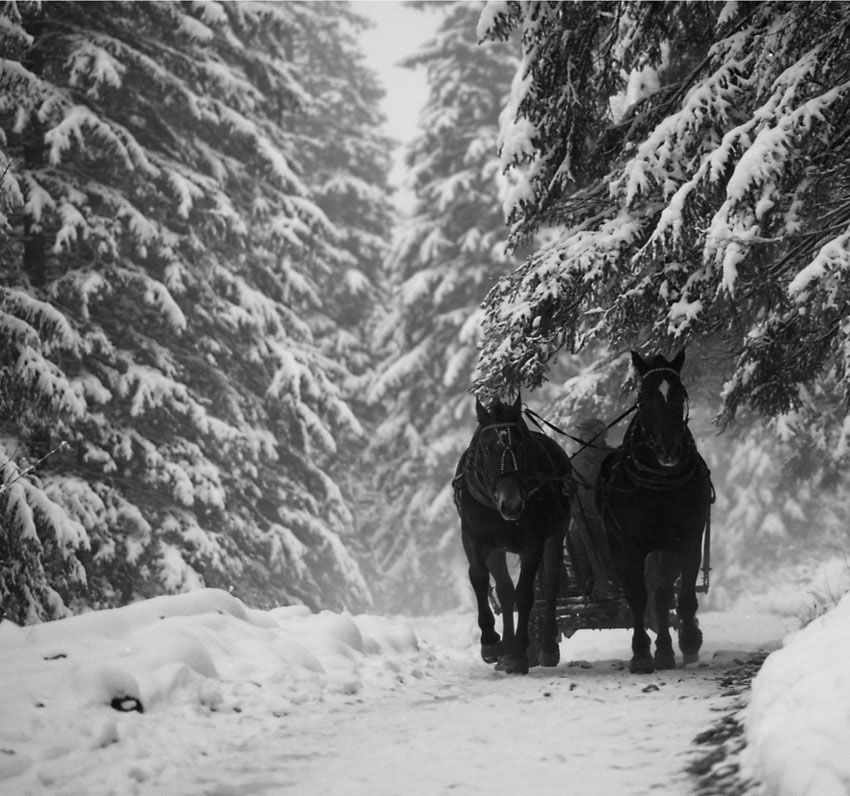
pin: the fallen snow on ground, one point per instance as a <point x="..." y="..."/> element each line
<point x="798" y="719"/>
<point x="197" y="694"/>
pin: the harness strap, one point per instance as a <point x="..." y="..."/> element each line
<point x="532" y="481"/>
<point x="534" y="418"/>
<point x="655" y="478"/>
<point x="507" y="450"/>
<point x="659" y="370"/>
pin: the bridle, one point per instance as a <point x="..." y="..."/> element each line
<point x="504" y="438"/>
<point x="660" y="370"/>
<point x="687" y="413"/>
<point x="642" y="412"/>
<point x="510" y="437"/>
<point x="657" y="477"/>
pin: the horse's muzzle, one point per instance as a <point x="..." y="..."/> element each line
<point x="667" y="453"/>
<point x="508" y="498"/>
<point x="511" y="514"/>
<point x="670" y="460"/>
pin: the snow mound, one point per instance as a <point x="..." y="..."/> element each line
<point x="69" y="682"/>
<point x="798" y="720"/>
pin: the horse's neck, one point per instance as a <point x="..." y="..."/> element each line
<point x="471" y="472"/>
<point x="541" y="462"/>
<point x="634" y="439"/>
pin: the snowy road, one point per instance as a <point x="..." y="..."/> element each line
<point x="590" y="731"/>
<point x="284" y="703"/>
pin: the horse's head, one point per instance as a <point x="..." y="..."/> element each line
<point x="663" y="406"/>
<point x="502" y="443"/>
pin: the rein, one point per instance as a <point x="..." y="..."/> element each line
<point x="537" y="420"/>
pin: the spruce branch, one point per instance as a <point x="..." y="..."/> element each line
<point x="21" y="473"/>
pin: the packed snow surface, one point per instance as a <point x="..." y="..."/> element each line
<point x="198" y="694"/>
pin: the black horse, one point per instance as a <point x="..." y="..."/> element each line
<point x="509" y="492"/>
<point x="655" y="496"/>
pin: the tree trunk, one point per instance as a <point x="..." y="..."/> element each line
<point x="35" y="158"/>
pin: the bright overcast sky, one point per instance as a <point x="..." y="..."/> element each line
<point x="399" y="32"/>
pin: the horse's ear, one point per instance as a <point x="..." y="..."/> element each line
<point x="481" y="413"/>
<point x="517" y="407"/>
<point x="677" y="361"/>
<point x="639" y="363"/>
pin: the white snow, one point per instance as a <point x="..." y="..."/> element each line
<point x="91" y="64"/>
<point x="194" y="28"/>
<point x="798" y="722"/>
<point x="240" y="701"/>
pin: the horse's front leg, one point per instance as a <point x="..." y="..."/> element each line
<point x="690" y="636"/>
<point x="550" y="653"/>
<point x="497" y="562"/>
<point x="517" y="663"/>
<point x="660" y="586"/>
<point x="479" y="577"/>
<point x="631" y="571"/>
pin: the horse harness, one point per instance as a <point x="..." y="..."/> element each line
<point x="658" y="479"/>
<point x="509" y="436"/>
<point x="644" y="476"/>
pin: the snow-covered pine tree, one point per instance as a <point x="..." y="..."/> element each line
<point x="441" y="265"/>
<point x="777" y="517"/>
<point x="345" y="159"/>
<point x="697" y="155"/>
<point x="161" y="263"/>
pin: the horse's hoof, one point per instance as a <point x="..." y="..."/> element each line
<point x="642" y="664"/>
<point x="491" y="652"/>
<point x="690" y="657"/>
<point x="515" y="666"/>
<point x="665" y="659"/>
<point x="550" y="658"/>
<point x="690" y="640"/>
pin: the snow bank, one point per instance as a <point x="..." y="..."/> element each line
<point x="798" y="721"/>
<point x="70" y="684"/>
